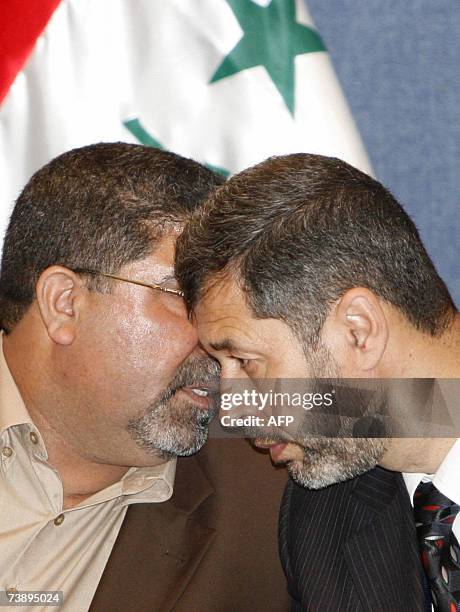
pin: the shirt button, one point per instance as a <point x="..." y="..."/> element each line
<point x="59" y="520"/>
<point x="7" y="451"/>
<point x="33" y="437"/>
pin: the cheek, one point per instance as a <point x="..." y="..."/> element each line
<point x="145" y="343"/>
<point x="171" y="337"/>
<point x="286" y="364"/>
<point x="231" y="370"/>
<point x="177" y="337"/>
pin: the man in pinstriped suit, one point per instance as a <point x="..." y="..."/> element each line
<point x="304" y="267"/>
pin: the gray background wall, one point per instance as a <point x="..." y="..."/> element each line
<point x="398" y="63"/>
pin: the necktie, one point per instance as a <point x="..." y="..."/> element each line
<point x="434" y="515"/>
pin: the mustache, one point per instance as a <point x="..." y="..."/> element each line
<point x="200" y="372"/>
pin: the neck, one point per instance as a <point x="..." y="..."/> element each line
<point x="81" y="476"/>
<point x="420" y="455"/>
<point x="416" y="355"/>
<point x="413" y="354"/>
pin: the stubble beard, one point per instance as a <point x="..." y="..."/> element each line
<point x="327" y="460"/>
<point x="173" y="425"/>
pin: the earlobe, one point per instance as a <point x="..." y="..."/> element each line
<point x="56" y="291"/>
<point x="366" y="326"/>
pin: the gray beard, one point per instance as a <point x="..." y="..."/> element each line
<point x="175" y="426"/>
<point x="329" y="460"/>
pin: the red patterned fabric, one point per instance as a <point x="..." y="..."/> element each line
<point x="22" y="22"/>
<point x="434" y="516"/>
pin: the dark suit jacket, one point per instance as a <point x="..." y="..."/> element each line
<point x="212" y="547"/>
<point x="352" y="546"/>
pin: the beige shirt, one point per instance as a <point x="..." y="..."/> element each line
<point x="42" y="546"/>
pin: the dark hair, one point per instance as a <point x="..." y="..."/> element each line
<point x="99" y="207"/>
<point x="297" y="232"/>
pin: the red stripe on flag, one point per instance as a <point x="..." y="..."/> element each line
<point x="22" y="22"/>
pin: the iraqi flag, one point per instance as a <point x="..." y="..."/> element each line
<point x="226" y="82"/>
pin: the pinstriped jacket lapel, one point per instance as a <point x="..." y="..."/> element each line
<point x="351" y="547"/>
<point x="382" y="557"/>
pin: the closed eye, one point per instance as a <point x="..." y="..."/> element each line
<point x="243" y="362"/>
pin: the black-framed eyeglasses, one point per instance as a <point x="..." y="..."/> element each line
<point x="155" y="286"/>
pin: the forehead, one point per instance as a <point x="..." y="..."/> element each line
<point x="224" y="317"/>
<point x="223" y="305"/>
<point x="160" y="260"/>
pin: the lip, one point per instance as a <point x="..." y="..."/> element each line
<point x="202" y="401"/>
<point x="275" y="449"/>
<point x="264" y="444"/>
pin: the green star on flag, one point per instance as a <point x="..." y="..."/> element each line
<point x="271" y="38"/>
<point x="155" y="89"/>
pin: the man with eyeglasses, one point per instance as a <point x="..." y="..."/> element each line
<point x="102" y="386"/>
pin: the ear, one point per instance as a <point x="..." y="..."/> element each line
<point x="361" y="320"/>
<point x="57" y="291"/>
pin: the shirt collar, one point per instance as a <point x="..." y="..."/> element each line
<point x="149" y="484"/>
<point x="139" y="485"/>
<point x="446" y="479"/>
<point x="12" y="408"/>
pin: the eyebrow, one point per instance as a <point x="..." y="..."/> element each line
<point x="166" y="278"/>
<point x="223" y="345"/>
